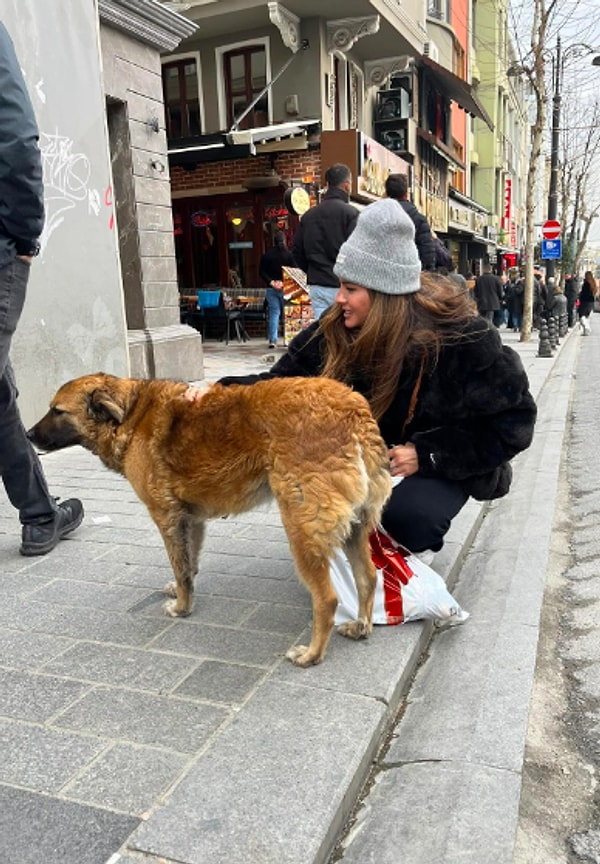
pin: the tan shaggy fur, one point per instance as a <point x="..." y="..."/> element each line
<point x="311" y="443"/>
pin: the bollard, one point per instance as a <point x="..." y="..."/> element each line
<point x="551" y="332"/>
<point x="544" y="347"/>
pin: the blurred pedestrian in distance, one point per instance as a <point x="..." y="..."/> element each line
<point x="457" y="278"/>
<point x="443" y="258"/>
<point x="488" y="293"/>
<point x="587" y="295"/>
<point x="321" y="232"/>
<point x="272" y="261"/>
<point x="21" y="222"/>
<point x="396" y="187"/>
<point x="571" y="293"/>
<point x="514" y="294"/>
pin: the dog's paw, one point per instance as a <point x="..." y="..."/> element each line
<point x="300" y="655"/>
<point x="170" y="609"/>
<point x="355" y="629"/>
<point x="171" y="589"/>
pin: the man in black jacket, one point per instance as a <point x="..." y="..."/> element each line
<point x="489" y="293"/>
<point x="21" y="222"/>
<point x="321" y="232"/>
<point x="396" y="186"/>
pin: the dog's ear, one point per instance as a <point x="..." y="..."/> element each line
<point x="104" y="406"/>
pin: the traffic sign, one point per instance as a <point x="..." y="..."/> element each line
<point x="551" y="248"/>
<point x="551" y="229"/>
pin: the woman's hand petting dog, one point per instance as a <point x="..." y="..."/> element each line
<point x="193" y="394"/>
<point x="403" y="460"/>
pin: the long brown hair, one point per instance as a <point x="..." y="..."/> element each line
<point x="589" y="278"/>
<point x="400" y="331"/>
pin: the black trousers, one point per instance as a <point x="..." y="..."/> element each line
<point x="420" y="510"/>
<point x="20" y="467"/>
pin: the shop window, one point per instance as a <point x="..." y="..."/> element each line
<point x="244" y="76"/>
<point x="181" y="98"/>
<point x="240" y="246"/>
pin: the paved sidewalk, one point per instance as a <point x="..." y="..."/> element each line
<point x="126" y="736"/>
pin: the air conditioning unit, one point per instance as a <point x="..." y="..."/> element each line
<point x="430" y="49"/>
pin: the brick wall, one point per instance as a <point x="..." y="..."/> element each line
<point x="290" y="165"/>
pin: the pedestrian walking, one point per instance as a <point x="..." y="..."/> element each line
<point x="21" y="221"/>
<point x="587" y="295"/>
<point x="489" y="294"/>
<point x="515" y="298"/>
<point x="272" y="261"/>
<point x="396" y="187"/>
<point x="321" y="232"/>
<point x="571" y="293"/>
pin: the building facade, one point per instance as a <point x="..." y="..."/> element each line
<point x="263" y="97"/>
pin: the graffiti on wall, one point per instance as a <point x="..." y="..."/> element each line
<point x="66" y="181"/>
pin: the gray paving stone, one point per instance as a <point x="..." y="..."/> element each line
<point x="141" y="718"/>
<point x="584" y="647"/>
<point x="23" y="650"/>
<point x="220" y="682"/>
<point x="290" y="591"/>
<point x="82" y="623"/>
<point x="223" y="643"/>
<point x="583" y="570"/>
<point x="207" y="608"/>
<point x="107" y="664"/>
<point x="584" y="617"/>
<point x="588" y="678"/>
<point x="36" y="829"/>
<point x="43" y="759"/>
<point x="21" y="583"/>
<point x="465" y="808"/>
<point x="34" y="697"/>
<point x="274" y="805"/>
<point x="276" y="618"/>
<point x="586" y="589"/>
<point x="69" y="592"/>
<point x="65" y="568"/>
<point x="127" y="778"/>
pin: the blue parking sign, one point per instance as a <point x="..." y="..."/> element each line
<point x="552" y="248"/>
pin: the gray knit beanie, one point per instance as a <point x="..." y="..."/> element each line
<point x="381" y="253"/>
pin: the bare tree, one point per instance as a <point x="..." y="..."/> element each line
<point x="580" y="150"/>
<point x="544" y="19"/>
<point x="532" y="65"/>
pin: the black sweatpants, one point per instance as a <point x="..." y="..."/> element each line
<point x="420" y="510"/>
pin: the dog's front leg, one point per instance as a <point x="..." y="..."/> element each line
<point x="183" y="538"/>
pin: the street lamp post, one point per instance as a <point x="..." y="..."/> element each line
<point x="553" y="186"/>
<point x="554" y="142"/>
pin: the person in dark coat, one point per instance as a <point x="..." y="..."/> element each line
<point x="489" y="294"/>
<point x="272" y="261"/>
<point x="514" y="295"/>
<point x="571" y="293"/>
<point x="321" y="232"/>
<point x="452" y="402"/>
<point x="587" y="295"/>
<point x="396" y="187"/>
<point x="21" y="221"/>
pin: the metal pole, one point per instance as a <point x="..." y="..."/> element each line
<point x="553" y="187"/>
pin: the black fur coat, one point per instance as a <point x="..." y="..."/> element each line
<point x="473" y="413"/>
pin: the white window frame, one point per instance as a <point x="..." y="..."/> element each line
<point x="220" y="53"/>
<point x="176" y="58"/>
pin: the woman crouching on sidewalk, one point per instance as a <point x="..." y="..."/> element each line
<point x="452" y="403"/>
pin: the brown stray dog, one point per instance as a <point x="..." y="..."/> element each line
<point x="311" y="443"/>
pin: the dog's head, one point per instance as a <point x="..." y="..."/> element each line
<point x="83" y="410"/>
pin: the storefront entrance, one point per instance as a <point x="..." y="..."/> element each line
<point x="219" y="240"/>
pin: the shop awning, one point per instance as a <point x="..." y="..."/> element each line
<point x="456" y="89"/>
<point x="263" y="136"/>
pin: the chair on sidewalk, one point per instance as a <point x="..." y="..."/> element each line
<point x="212" y="308"/>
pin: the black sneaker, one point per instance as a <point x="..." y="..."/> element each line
<point x="41" y="539"/>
